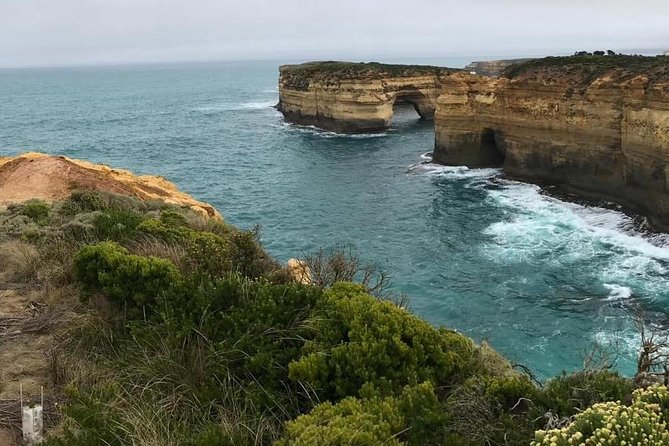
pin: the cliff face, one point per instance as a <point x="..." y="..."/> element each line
<point x="492" y="67"/>
<point x="38" y="176"/>
<point x="595" y="125"/>
<point x="599" y="132"/>
<point x="355" y="98"/>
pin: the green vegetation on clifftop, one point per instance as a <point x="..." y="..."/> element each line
<point x="298" y="77"/>
<point x="188" y="333"/>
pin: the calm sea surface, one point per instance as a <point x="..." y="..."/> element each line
<point x="542" y="280"/>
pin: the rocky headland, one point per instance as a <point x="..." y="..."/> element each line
<point x="356" y="97"/>
<point x="51" y="178"/>
<point x="594" y="125"/>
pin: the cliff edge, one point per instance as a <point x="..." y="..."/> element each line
<point x="347" y="97"/>
<point x="45" y="177"/>
<point x="594" y="125"/>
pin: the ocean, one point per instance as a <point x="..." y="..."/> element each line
<point x="544" y="281"/>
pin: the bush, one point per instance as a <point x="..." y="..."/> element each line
<point x="495" y="410"/>
<point x="84" y="201"/>
<point x="36" y="210"/>
<point x="413" y="418"/>
<point x="567" y="395"/>
<point x="614" y="424"/>
<point x="131" y="282"/>
<point x="116" y="225"/>
<point x="361" y="341"/>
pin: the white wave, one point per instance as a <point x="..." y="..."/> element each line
<point x="457" y="172"/>
<point x="427" y="156"/>
<point x="625" y="342"/>
<point x="311" y="129"/>
<point x="618" y="292"/>
<point x="535" y="210"/>
<point x="543" y="230"/>
<point x="255" y="105"/>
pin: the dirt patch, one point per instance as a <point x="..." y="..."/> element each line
<point x="39" y="176"/>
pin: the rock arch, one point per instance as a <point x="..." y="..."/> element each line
<point x="424" y="106"/>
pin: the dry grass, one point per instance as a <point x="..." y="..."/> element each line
<point x="20" y="262"/>
<point x="152" y="246"/>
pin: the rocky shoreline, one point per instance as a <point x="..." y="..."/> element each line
<point x="597" y="126"/>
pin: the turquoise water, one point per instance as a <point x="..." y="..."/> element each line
<point x="542" y="280"/>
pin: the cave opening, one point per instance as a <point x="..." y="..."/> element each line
<point x="411" y="108"/>
<point x="492" y="148"/>
<point x="405" y="113"/>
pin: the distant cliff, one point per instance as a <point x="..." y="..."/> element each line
<point x="492" y="67"/>
<point x="598" y="126"/>
<point x="595" y="125"/>
<point x="356" y="97"/>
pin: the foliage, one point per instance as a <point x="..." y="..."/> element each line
<point x="641" y="423"/>
<point x="299" y="77"/>
<point x="589" y="67"/>
<point x="116" y="225"/>
<point x="36" y="210"/>
<point x="364" y="345"/>
<point x="413" y="418"/>
<point x="132" y="283"/>
<point x="568" y="394"/>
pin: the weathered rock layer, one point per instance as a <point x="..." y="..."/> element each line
<point x="598" y="126"/>
<point x="602" y="133"/>
<point x="39" y="176"/>
<point x="356" y="98"/>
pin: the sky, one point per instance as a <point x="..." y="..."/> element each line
<point x="75" y="32"/>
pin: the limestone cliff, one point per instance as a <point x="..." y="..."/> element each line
<point x="356" y="97"/>
<point x="595" y="127"/>
<point x="492" y="67"/>
<point x="35" y="175"/>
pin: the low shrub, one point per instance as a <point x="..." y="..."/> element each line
<point x="131" y="283"/>
<point x="359" y="341"/>
<point x="614" y="424"/>
<point x="116" y="225"/>
<point x="414" y="417"/>
<point x="36" y="210"/>
<point x="567" y="395"/>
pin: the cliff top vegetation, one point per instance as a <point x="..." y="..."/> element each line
<point x="586" y="67"/>
<point x="299" y="76"/>
<point x="162" y="326"/>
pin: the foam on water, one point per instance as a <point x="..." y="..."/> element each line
<point x="455" y="172"/>
<point x="316" y="131"/>
<point x="617" y="292"/>
<point x="253" y="105"/>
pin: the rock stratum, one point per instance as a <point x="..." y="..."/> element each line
<point x="356" y="97"/>
<point x="50" y="178"/>
<point x="593" y="125"/>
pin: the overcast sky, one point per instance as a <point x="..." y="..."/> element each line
<point x="63" y="32"/>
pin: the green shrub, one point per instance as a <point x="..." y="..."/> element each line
<point x="495" y="410"/>
<point x="116" y="225"/>
<point x="173" y="219"/>
<point x="84" y="201"/>
<point x="567" y="395"/>
<point x="89" y="420"/>
<point x="361" y="341"/>
<point x="614" y="424"/>
<point x="130" y="282"/>
<point x="36" y="210"/>
<point x="414" y="418"/>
